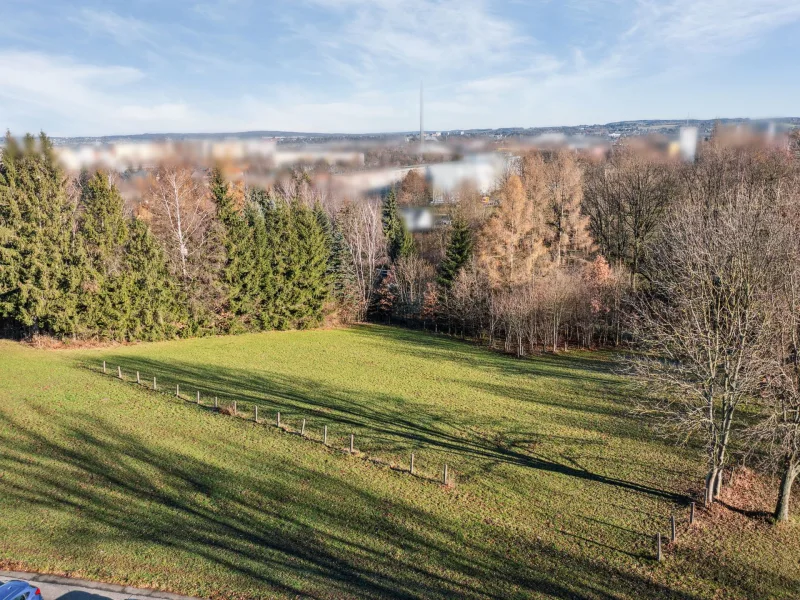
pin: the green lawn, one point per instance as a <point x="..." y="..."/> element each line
<point x="557" y="492"/>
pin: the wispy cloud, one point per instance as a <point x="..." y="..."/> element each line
<point x="33" y="83"/>
<point x="122" y="29"/>
<point x="712" y="26"/>
<point x="429" y="35"/>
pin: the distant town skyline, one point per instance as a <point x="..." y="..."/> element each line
<point x="325" y="66"/>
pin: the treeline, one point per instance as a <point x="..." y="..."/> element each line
<point x="524" y="274"/>
<point x="196" y="258"/>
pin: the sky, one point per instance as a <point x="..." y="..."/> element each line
<point x="111" y="67"/>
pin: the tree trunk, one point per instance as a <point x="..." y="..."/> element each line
<point x="785" y="493"/>
<point x="711" y="479"/>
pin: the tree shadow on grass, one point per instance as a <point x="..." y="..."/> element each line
<point x="386" y="420"/>
<point x="263" y="532"/>
<point x="582" y="366"/>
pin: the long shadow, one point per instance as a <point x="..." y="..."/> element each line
<point x="594" y="366"/>
<point x="386" y="416"/>
<point x="290" y="532"/>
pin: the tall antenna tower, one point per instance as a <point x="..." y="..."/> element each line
<point x="421" y="130"/>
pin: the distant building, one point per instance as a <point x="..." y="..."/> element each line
<point x="688" y="143"/>
<point x="417" y="219"/>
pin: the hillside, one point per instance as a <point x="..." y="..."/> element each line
<point x="555" y="490"/>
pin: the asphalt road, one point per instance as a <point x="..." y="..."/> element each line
<point x="64" y="588"/>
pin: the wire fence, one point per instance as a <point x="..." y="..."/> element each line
<point x="333" y="435"/>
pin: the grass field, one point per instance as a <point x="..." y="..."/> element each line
<point x="557" y="491"/>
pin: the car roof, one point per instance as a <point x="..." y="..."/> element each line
<point x="12" y="589"/>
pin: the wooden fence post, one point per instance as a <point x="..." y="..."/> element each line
<point x="216" y="403"/>
<point x="303" y="428"/>
<point x="119" y="372"/>
<point x="325" y="435"/>
<point x="178" y="390"/>
<point x="278" y="420"/>
<point x="411" y="470"/>
<point x="104" y="366"/>
<point x="658" y="547"/>
<point x="198" y="396"/>
<point x="256" y="416"/>
<point x="138" y="381"/>
<point x="444" y="475"/>
<point x="154" y="384"/>
<point x="691" y="514"/>
<point x="674" y="532"/>
<point x="351" y="443"/>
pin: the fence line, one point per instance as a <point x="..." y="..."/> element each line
<point x="445" y="479"/>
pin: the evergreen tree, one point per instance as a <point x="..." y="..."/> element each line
<point x="103" y="297"/>
<point x="324" y="222"/>
<point x="459" y="251"/>
<point x="157" y="306"/>
<point x="39" y="272"/>
<point x="314" y="245"/>
<point x="239" y="268"/>
<point x="11" y="242"/>
<point x="260" y="214"/>
<point x="342" y="276"/>
<point x="286" y="263"/>
<point x="398" y="239"/>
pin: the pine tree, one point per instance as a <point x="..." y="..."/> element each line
<point x="511" y="241"/>
<point x="11" y="243"/>
<point x="459" y="251"/>
<point x="398" y="239"/>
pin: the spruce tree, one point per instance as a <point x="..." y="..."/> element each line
<point x="286" y="262"/>
<point x="157" y="307"/>
<point x="103" y="297"/>
<point x="314" y="245"/>
<point x="241" y="296"/>
<point x="398" y="239"/>
<point x="39" y="270"/>
<point x="11" y="243"/>
<point x="342" y="275"/>
<point x="458" y="253"/>
<point x="260" y="214"/>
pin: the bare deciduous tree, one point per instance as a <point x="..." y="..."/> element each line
<point x="776" y="436"/>
<point x="412" y="276"/>
<point x="625" y="199"/>
<point x="182" y="216"/>
<point x="362" y="229"/>
<point x="703" y="326"/>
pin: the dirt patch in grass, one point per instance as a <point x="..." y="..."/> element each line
<point x="46" y="342"/>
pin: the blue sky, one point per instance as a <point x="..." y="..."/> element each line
<point x="108" y="67"/>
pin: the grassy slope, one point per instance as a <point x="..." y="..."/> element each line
<point x="557" y="492"/>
